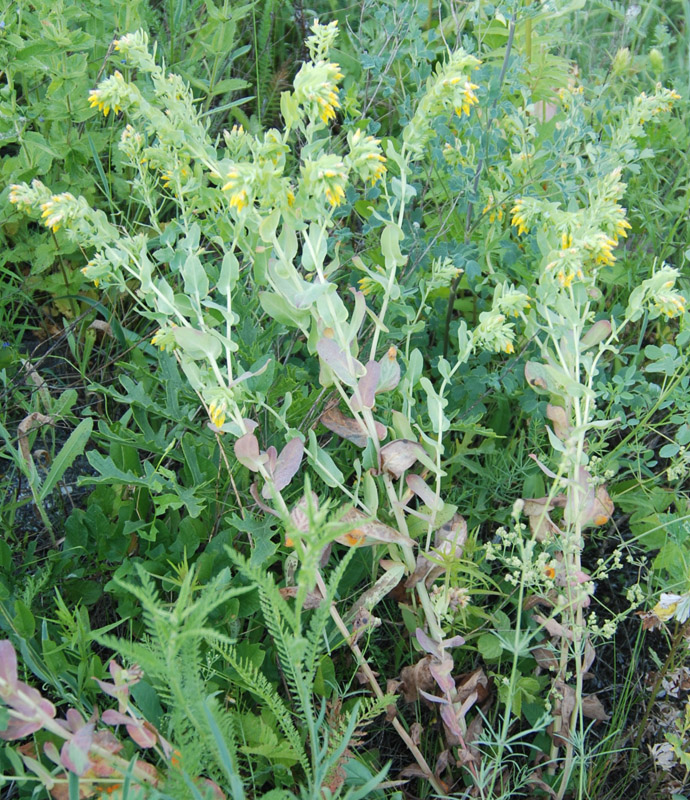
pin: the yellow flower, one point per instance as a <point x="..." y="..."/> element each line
<point x="518" y="221"/>
<point x="52" y="214"/>
<point x="622" y="228"/>
<point x="467" y="97"/>
<point x="239" y="197"/>
<point x="217" y="413"/>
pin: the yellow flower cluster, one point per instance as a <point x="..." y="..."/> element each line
<point x="237" y="185"/>
<point x="182" y="174"/>
<point x="105" y="96"/>
<point x="448" y="88"/>
<point x="366" y="157"/>
<point x="316" y="88"/>
<point x="603" y="247"/>
<point x="464" y="95"/>
<point x="518" y="219"/>
<point x="53" y="215"/>
<point x="671" y="304"/>
<point x="16" y="197"/>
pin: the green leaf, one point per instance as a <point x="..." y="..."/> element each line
<point x="198" y="344"/>
<point x="195" y="277"/>
<point x="489" y="646"/>
<point x="72" y="448"/>
<point x="391" y="236"/>
<point x="323" y="464"/>
<point x="24" y="620"/>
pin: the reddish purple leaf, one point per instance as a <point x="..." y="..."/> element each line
<point x="344" y="365"/>
<point x="288" y="463"/>
<point x="74" y="754"/>
<point x="272" y="454"/>
<point x="450" y="720"/>
<point x="367" y="387"/>
<point x="8" y="668"/>
<point x="247" y="452"/>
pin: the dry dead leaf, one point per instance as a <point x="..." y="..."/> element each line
<point x="33" y="420"/>
<point x="366" y="531"/>
<point x="398" y="456"/>
<point x="415" y="678"/>
<point x="593" y="709"/>
<point x="348" y="427"/>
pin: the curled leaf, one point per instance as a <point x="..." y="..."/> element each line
<point x="365" y="396"/>
<point x="398" y="456"/>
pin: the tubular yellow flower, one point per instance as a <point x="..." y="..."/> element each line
<point x="622" y="228"/>
<point x="217" y="413"/>
<point x="238" y="185"/>
<point x="518" y="220"/>
<point x="316" y="89"/>
<point x="51" y="212"/>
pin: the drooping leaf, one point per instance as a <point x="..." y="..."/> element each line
<point x="348" y="428"/>
<point x="397" y="456"/>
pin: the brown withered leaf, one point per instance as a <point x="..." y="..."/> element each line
<point x="545" y="658"/>
<point x="554" y="627"/>
<point x="469" y="683"/>
<point x="590" y="655"/>
<point x="559" y="730"/>
<point x="102" y="327"/>
<point x="592" y="506"/>
<point x="366" y="532"/>
<point x="537" y="600"/>
<point x="416" y="730"/>
<point x="537" y="512"/>
<point x="397" y="456"/>
<point x="593" y="709"/>
<point x="312" y="600"/>
<point x="473" y="734"/>
<point x="441" y="763"/>
<point x="32" y="420"/>
<point x="415" y="678"/>
<point x="348" y="427"/>
<point x="422" y="568"/>
<point x="363" y="678"/>
<point x="559" y="419"/>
